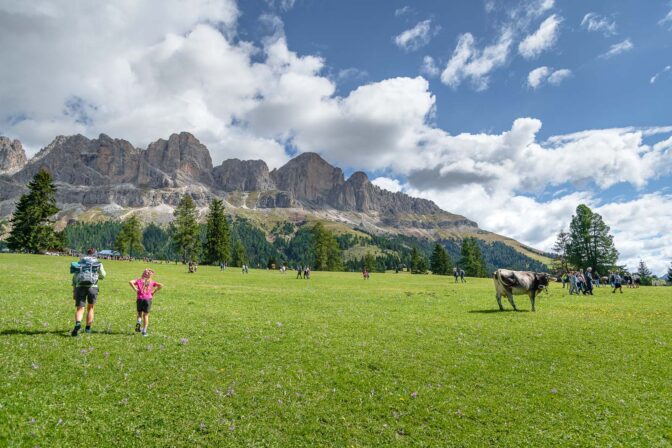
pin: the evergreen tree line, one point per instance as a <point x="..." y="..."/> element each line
<point x="240" y="242"/>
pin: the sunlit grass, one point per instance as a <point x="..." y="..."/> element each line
<point x="267" y="360"/>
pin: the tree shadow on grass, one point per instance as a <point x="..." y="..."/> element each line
<point x="65" y="333"/>
<point x="495" y="311"/>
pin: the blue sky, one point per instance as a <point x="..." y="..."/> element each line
<point x="508" y="112"/>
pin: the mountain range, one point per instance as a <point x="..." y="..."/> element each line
<point x="106" y="178"/>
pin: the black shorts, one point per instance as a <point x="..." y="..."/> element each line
<point x="143" y="306"/>
<point x="85" y="294"/>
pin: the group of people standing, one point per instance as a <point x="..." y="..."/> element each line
<point x="459" y="274"/>
<point x="583" y="282"/>
<point x="303" y="272"/>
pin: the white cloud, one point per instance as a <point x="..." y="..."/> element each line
<point x="545" y="74"/>
<point x="537" y="76"/>
<point x="403" y="11"/>
<point x="667" y="20"/>
<point x="352" y="74"/>
<point x="429" y="67"/>
<point x="558" y="76"/>
<point x="595" y="22"/>
<point x="387" y="183"/>
<point x="655" y="77"/>
<point x="416" y="37"/>
<point x="282" y="5"/>
<point x="542" y="39"/>
<point x="618" y="48"/>
<point x="470" y="63"/>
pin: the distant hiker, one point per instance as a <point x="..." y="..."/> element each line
<point x="192" y="267"/>
<point x="145" y="288"/>
<point x="365" y="274"/>
<point x="299" y="272"/>
<point x="222" y="265"/>
<point x="589" y="281"/>
<point x="86" y="274"/>
<point x="596" y="279"/>
<point x="617" y="283"/>
<point x="306" y="273"/>
<point x="564" y="279"/>
<point x="573" y="284"/>
<point x="245" y="269"/>
<point x="462" y="276"/>
<point x="456" y="273"/>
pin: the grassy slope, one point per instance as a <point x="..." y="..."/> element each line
<point x="335" y="361"/>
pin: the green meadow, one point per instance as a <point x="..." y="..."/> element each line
<point x="265" y="359"/>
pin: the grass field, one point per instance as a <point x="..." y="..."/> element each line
<point x="268" y="360"/>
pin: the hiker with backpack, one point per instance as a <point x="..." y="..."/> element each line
<point x="145" y="288"/>
<point x="86" y="274"/>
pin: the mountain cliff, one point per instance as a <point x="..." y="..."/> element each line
<point x="110" y="177"/>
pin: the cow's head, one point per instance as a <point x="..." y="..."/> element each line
<point x="541" y="280"/>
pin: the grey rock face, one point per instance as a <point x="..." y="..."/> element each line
<point x="94" y="172"/>
<point x="308" y="177"/>
<point x="12" y="156"/>
<point x="243" y="175"/>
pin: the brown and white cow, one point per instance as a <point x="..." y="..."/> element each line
<point x="516" y="283"/>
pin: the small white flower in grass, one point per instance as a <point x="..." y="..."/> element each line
<point x="554" y="391"/>
<point x="414" y="395"/>
<point x="232" y="427"/>
<point x="59" y="422"/>
<point x="279" y="324"/>
<point x="35" y="366"/>
<point x="184" y="341"/>
<point x="32" y="420"/>
<point x="107" y="355"/>
<point x="202" y="426"/>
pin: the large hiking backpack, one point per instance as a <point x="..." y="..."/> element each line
<point x="87" y="273"/>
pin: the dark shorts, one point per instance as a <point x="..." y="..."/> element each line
<point x="84" y="295"/>
<point x="143" y="306"/>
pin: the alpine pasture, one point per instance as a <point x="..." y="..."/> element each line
<point x="265" y="359"/>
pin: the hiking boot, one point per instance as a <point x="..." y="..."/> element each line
<point x="87" y="331"/>
<point x="144" y="333"/>
<point x="137" y="327"/>
<point x="75" y="331"/>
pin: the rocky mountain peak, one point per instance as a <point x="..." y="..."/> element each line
<point x="181" y="153"/>
<point x="12" y="156"/>
<point x="358" y="178"/>
<point x="308" y="177"/>
<point x="243" y="175"/>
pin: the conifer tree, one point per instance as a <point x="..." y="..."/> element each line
<point x="187" y="232"/>
<point x="217" y="246"/>
<point x="644" y="273"/>
<point x="129" y="239"/>
<point x="369" y="262"/>
<point x="32" y="221"/>
<point x="440" y="263"/>
<point x="326" y="250"/>
<point x="239" y="256"/>
<point x="472" y="261"/>
<point x="590" y="244"/>
<point x="560" y="248"/>
<point x="418" y="262"/>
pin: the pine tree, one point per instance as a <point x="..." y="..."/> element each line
<point x="418" y="262"/>
<point x="32" y="223"/>
<point x="590" y="244"/>
<point x="187" y="232"/>
<point x="560" y="248"/>
<point x="472" y="261"/>
<point x="239" y="256"/>
<point x="217" y="246"/>
<point x="368" y="262"/>
<point x="129" y="239"/>
<point x="440" y="263"/>
<point x="327" y="253"/>
<point x="644" y="273"/>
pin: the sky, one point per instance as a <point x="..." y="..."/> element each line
<point x="510" y="113"/>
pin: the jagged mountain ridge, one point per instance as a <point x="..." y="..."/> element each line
<point x="103" y="171"/>
<point x="106" y="178"/>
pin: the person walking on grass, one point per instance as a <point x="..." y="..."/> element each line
<point x="617" y="283"/>
<point x="145" y="288"/>
<point x="86" y="274"/>
<point x="462" y="276"/>
<point x="456" y="274"/>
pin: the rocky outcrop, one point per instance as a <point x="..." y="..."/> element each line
<point x="308" y="177"/>
<point x="12" y="156"/>
<point x="102" y="171"/>
<point x="243" y="175"/>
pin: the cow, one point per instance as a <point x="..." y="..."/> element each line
<point x="516" y="283"/>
